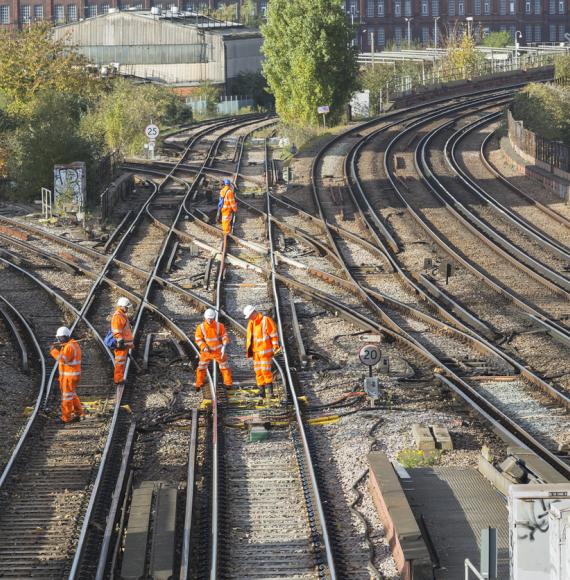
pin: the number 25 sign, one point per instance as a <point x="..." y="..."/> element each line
<point x="152" y="131"/>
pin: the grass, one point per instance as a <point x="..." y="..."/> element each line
<point x="410" y="458"/>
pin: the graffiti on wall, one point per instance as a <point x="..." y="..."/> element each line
<point x="69" y="187"/>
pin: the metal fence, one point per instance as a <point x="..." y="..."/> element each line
<point x="552" y="153"/>
<point x="227" y="106"/>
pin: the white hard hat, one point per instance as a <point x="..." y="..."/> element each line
<point x="210" y="314"/>
<point x="248" y="310"/>
<point x="124" y="302"/>
<point x="63" y="331"/>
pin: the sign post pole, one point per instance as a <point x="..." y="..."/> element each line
<point x="323" y="110"/>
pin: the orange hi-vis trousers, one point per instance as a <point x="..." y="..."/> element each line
<point x="205" y="358"/>
<point x="121" y="356"/>
<point x="70" y="403"/>
<point x="262" y="368"/>
<point x="227" y="215"/>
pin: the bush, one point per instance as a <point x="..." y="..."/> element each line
<point x="410" y="458"/>
<point x="497" y="39"/>
<point x="562" y="67"/>
<point x="545" y="110"/>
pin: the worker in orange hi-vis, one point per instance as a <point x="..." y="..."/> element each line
<point x="68" y="355"/>
<point x="212" y="340"/>
<point x="227" y="206"/>
<point x="262" y="344"/>
<point x="121" y="328"/>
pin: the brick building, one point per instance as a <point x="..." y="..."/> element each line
<point x="387" y="21"/>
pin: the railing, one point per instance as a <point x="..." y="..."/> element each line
<point x="470" y="567"/>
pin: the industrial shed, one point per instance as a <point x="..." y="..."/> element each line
<point x="176" y="48"/>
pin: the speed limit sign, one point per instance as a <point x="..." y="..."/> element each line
<point x="369" y="355"/>
<point x="152" y="131"/>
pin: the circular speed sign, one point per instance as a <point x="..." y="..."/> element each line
<point x="152" y="131"/>
<point x="369" y="355"/>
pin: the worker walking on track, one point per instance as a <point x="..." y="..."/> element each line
<point x="227" y="206"/>
<point x="122" y="333"/>
<point x="212" y="340"/>
<point x="68" y="355"/>
<point x="262" y="344"/>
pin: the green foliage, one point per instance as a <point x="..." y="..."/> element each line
<point x="545" y="110"/>
<point x="410" y="458"/>
<point x="249" y="14"/>
<point x="562" y="67"/>
<point x="49" y="137"/>
<point x="211" y="94"/>
<point x="118" y="120"/>
<point x="463" y="58"/>
<point x="309" y="60"/>
<point x="226" y="12"/>
<point x="31" y="62"/>
<point x="253" y="84"/>
<point x="497" y="39"/>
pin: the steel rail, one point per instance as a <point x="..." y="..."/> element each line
<point x="498" y="175"/>
<point x="512" y="217"/>
<point x="7" y="311"/>
<point x="42" y="384"/>
<point x="476" y="225"/>
<point x="294" y="397"/>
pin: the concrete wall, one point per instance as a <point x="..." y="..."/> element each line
<point x="243" y="55"/>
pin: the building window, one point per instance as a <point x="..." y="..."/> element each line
<point x="552" y="7"/>
<point x="527" y="7"/>
<point x="502" y="7"/>
<point x="398" y="35"/>
<point x="425" y="34"/>
<point x="398" y="8"/>
<point x="512" y="7"/>
<point x="25" y="13"/>
<point x="461" y="8"/>
<point x="91" y="11"/>
<point x="72" y="13"/>
<point x="528" y="33"/>
<point x="552" y="33"/>
<point x="561" y="32"/>
<point x="4" y="14"/>
<point x="380" y="8"/>
<point x="38" y="12"/>
<point x="59" y="12"/>
<point x="537" y="6"/>
<point x="104" y="8"/>
<point x="537" y="33"/>
<point x="435" y="7"/>
<point x="370" y="8"/>
<point x="451" y="7"/>
<point x="425" y="8"/>
<point x="487" y="7"/>
<point x="477" y="7"/>
<point x="561" y="7"/>
<point x="381" y="36"/>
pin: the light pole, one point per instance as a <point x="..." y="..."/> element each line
<point x="409" y="21"/>
<point x="518" y="36"/>
<point x="469" y="21"/>
<point x="435" y="19"/>
<point x="372" y="46"/>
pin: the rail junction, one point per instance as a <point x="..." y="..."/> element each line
<point x="403" y="228"/>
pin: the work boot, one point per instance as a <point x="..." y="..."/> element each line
<point x="269" y="390"/>
<point x="197" y="388"/>
<point x="262" y="392"/>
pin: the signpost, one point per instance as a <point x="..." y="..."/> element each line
<point x="370" y="355"/>
<point x="324" y="110"/>
<point x="152" y="132"/>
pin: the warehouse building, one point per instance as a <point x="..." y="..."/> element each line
<point x="166" y="46"/>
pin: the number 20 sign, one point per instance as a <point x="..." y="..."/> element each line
<point x="369" y="355"/>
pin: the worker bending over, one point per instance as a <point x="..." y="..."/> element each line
<point x="262" y="344"/>
<point x="212" y="340"/>
<point x="227" y="205"/>
<point x="68" y="355"/>
<point x="123" y="334"/>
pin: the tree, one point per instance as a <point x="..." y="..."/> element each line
<point x="211" y="94"/>
<point x="497" y="39"/>
<point x="309" y="60"/>
<point x="31" y="62"/>
<point x="562" y="67"/>
<point x="253" y="85"/>
<point x="463" y="57"/>
<point x="545" y="110"/>
<point x="49" y="137"/>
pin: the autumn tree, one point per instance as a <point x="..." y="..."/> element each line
<point x="309" y="60"/>
<point x="31" y="62"/>
<point x="463" y="57"/>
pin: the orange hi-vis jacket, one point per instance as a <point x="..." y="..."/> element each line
<point x="230" y="204"/>
<point x="213" y="335"/>
<point x="121" y="328"/>
<point x="69" y="361"/>
<point x="262" y="337"/>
